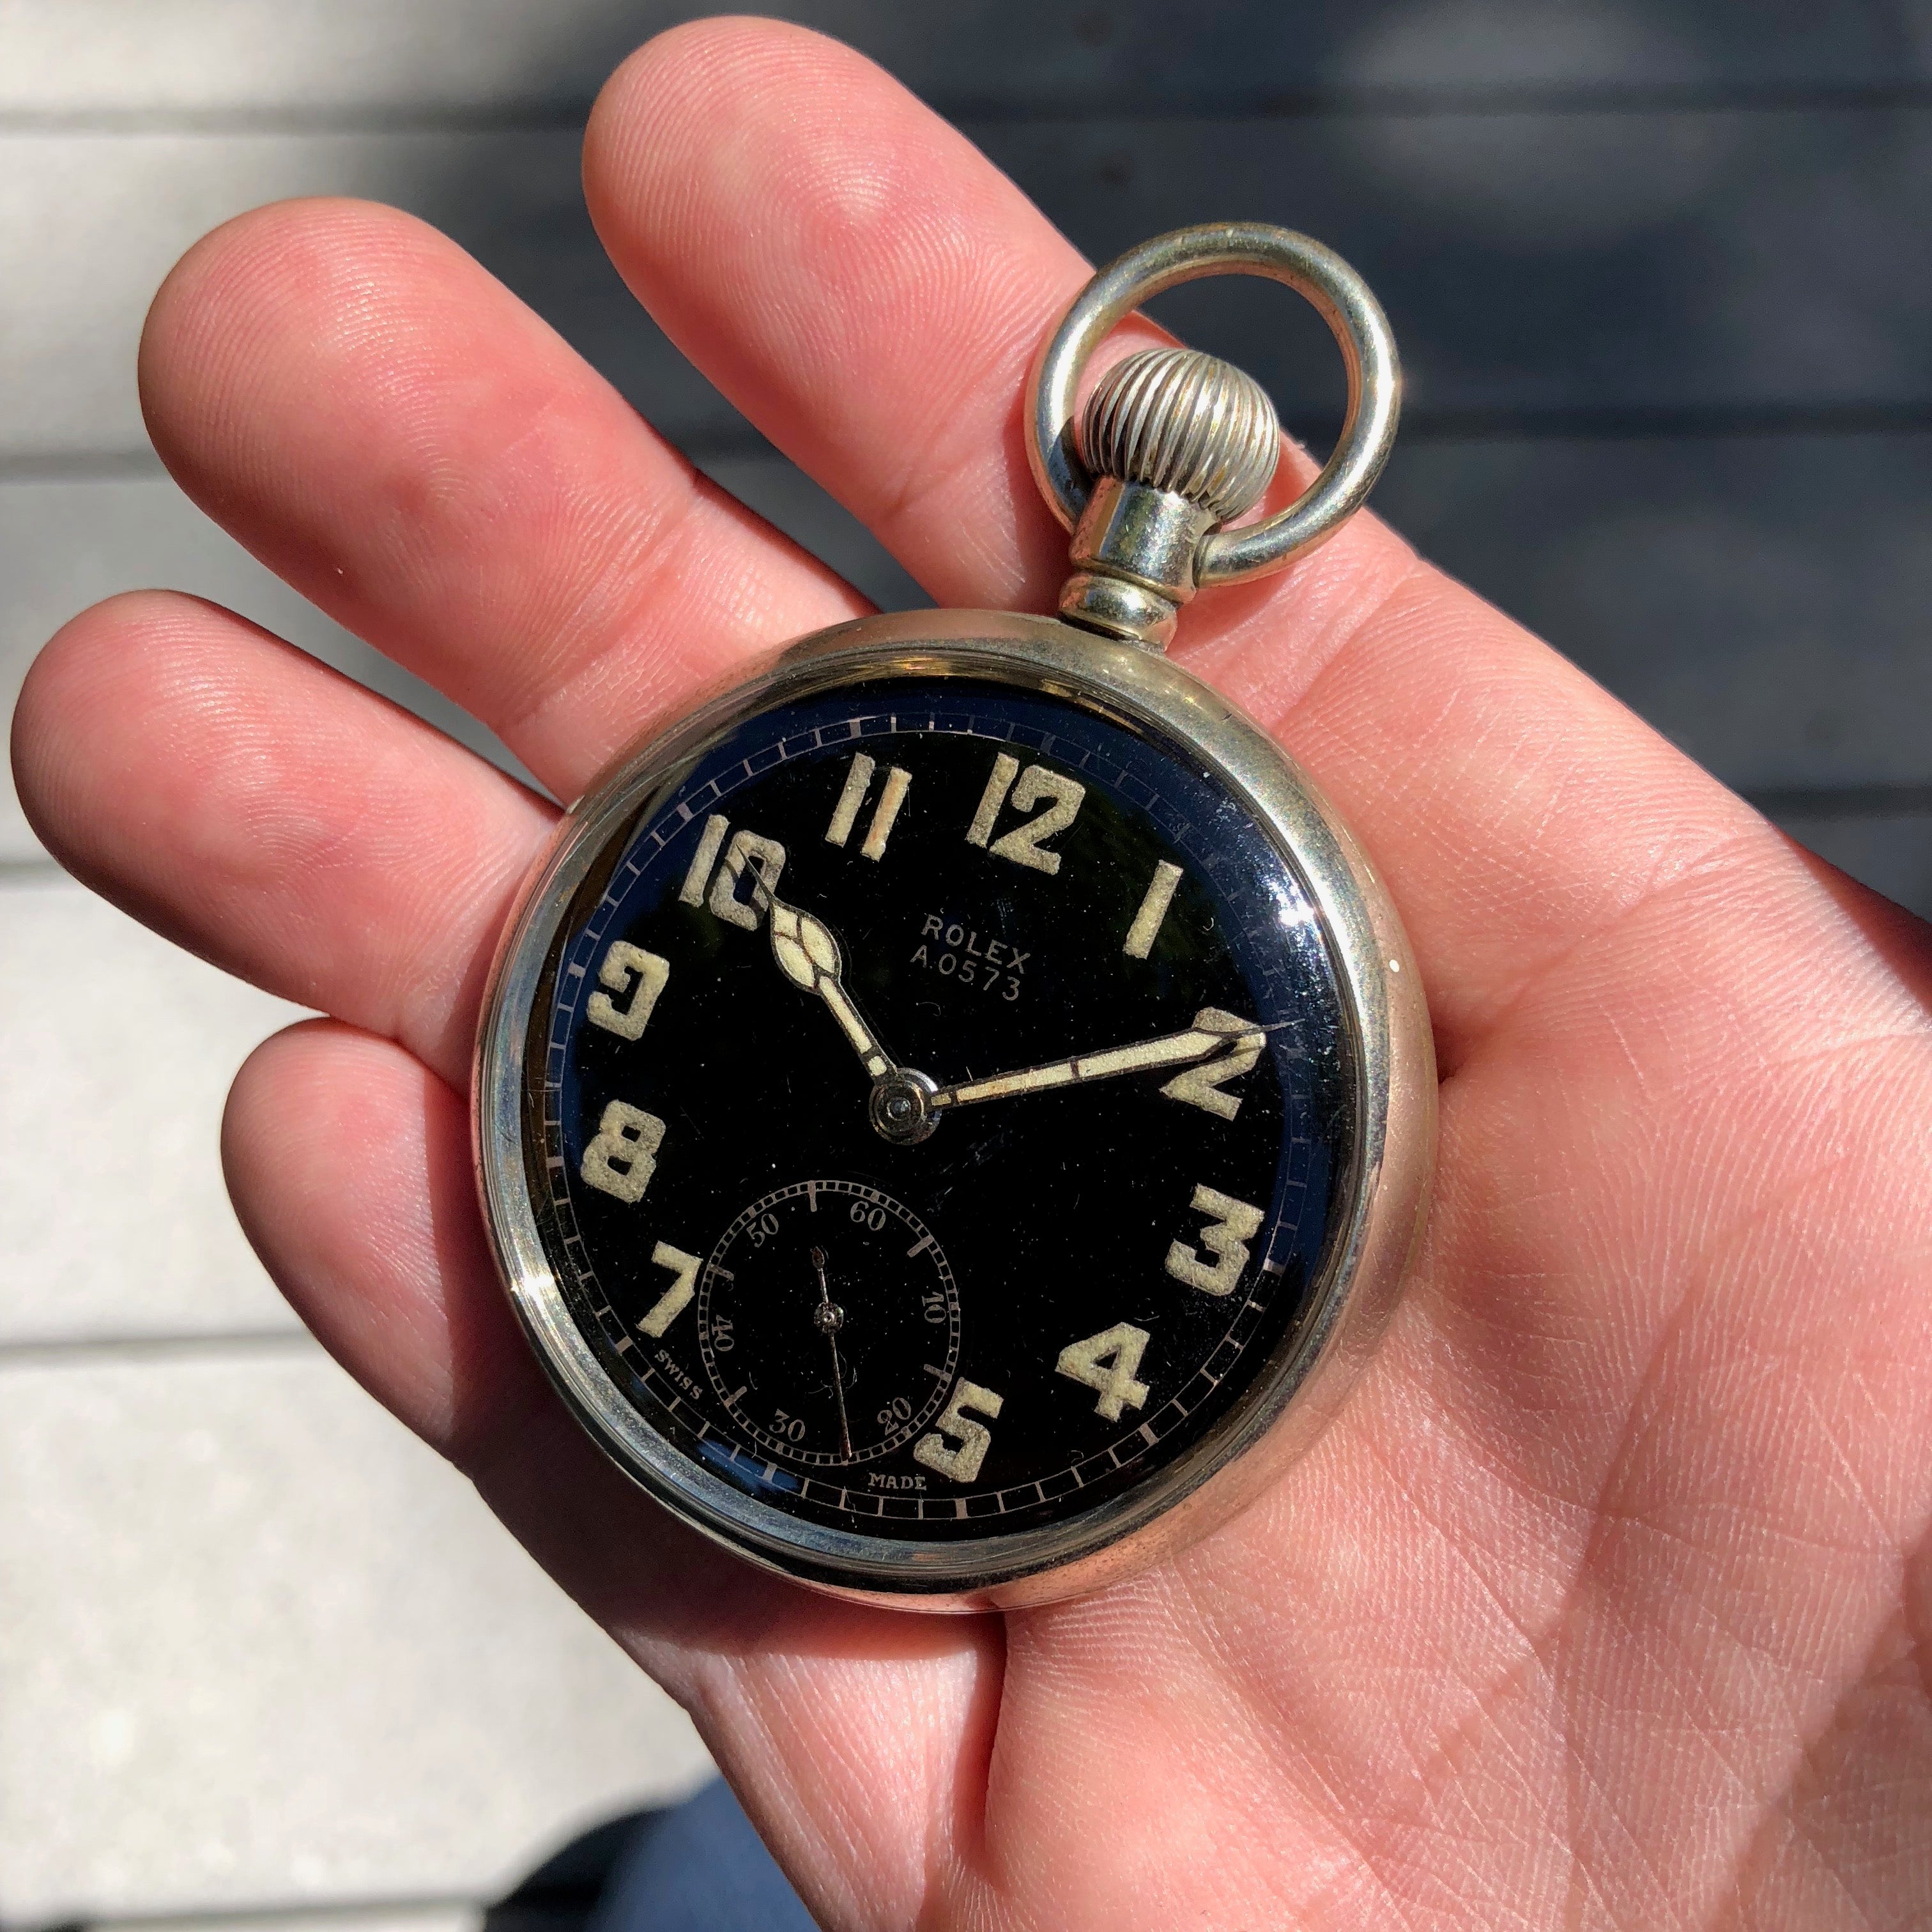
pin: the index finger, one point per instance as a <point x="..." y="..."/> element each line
<point x="871" y="291"/>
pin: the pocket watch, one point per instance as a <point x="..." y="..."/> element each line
<point x="952" y="1112"/>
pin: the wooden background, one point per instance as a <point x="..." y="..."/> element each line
<point x="1661" y="277"/>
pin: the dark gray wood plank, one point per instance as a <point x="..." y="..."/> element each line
<point x="1531" y="263"/>
<point x="1892" y="854"/>
<point x="785" y="496"/>
<point x="1702" y="264"/>
<point x="347" y="58"/>
<point x="1762" y="601"/>
<point x="1685" y="262"/>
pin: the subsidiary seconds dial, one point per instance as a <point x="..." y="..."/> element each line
<point x="828" y="1323"/>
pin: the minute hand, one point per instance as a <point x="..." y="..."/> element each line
<point x="1212" y="1031"/>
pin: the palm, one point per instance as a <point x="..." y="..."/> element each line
<point x="1605" y="1598"/>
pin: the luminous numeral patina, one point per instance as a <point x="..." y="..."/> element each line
<point x="1200" y="1086"/>
<point x="1037" y="785"/>
<point x="961" y="1464"/>
<point x="676" y="1298"/>
<point x="637" y="977"/>
<point x="1147" y="921"/>
<point x="620" y="1161"/>
<point x="1233" y="1224"/>
<point x="845" y="813"/>
<point x="1108" y="1362"/>
<point x="765" y="857"/>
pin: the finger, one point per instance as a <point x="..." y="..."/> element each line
<point x="350" y="1164"/>
<point x="278" y="332"/>
<point x="844" y="1728"/>
<point x="387" y="427"/>
<point x="273" y="817"/>
<point x="877" y="320"/>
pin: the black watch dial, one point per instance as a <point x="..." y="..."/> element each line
<point x="940" y="1106"/>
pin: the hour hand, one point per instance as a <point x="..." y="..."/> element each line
<point x="1212" y="1032"/>
<point x="807" y="956"/>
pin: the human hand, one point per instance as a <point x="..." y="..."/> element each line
<point x="1605" y="1598"/>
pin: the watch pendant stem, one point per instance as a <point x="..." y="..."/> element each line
<point x="1178" y="443"/>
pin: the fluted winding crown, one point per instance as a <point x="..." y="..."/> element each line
<point x="1185" y="422"/>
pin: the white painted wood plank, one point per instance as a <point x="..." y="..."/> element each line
<point x="262" y="1648"/>
<point x="89" y="226"/>
<point x="81" y="56"/>
<point x="119" y="1049"/>
<point x="351" y="1918"/>
<point x="64" y="544"/>
<point x="60" y="57"/>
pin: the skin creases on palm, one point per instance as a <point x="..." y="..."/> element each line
<point x="1603" y="1600"/>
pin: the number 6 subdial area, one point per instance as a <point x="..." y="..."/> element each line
<point x="829" y="1322"/>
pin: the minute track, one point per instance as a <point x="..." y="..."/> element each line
<point x="787" y="1080"/>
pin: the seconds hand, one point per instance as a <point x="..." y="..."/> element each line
<point x="829" y="1318"/>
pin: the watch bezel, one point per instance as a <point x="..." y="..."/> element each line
<point x="1384" y="1205"/>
